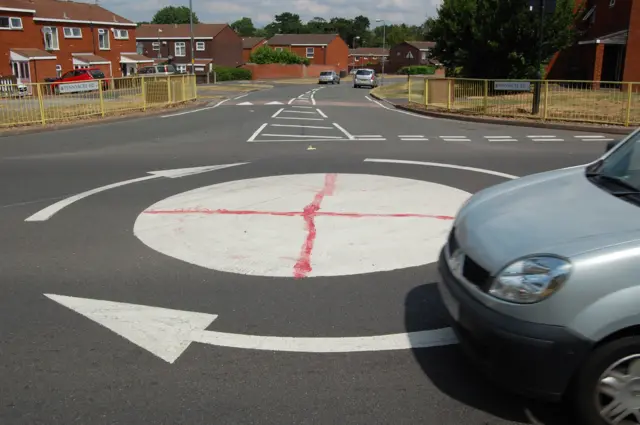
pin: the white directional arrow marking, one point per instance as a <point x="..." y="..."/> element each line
<point x="167" y="333"/>
<point x="274" y="103"/>
<point x="49" y="211"/>
<point x="244" y="103"/>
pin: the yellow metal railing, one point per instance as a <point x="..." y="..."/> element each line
<point x="604" y="102"/>
<point x="43" y="103"/>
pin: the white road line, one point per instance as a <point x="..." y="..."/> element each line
<point x="346" y="133"/>
<point x="502" y="140"/>
<point x="413" y="139"/>
<point x="196" y="110"/>
<point x="603" y="140"/>
<point x="548" y="140"/>
<point x="299" y="112"/>
<point x="401" y="112"/>
<point x="411" y="135"/>
<point x="241" y="96"/>
<point x="302" y="126"/>
<point x="377" y="139"/>
<point x="293" y="99"/>
<point x="498" y="137"/>
<point x="296" y="118"/>
<point x="277" y="113"/>
<point x="322" y="114"/>
<point x="456" y="140"/>
<point x="438" y="164"/>
<point x="255" y="134"/>
<point x="302" y="107"/>
<point x="301" y="140"/>
<point x="589" y="137"/>
<point x="368" y="98"/>
<point x="453" y="137"/>
<point x="367" y="135"/>
<point x="303" y="136"/>
<point x="540" y="137"/>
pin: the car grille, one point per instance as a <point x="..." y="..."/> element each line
<point x="472" y="271"/>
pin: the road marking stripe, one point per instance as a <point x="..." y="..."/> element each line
<point x="300" y="140"/>
<point x="196" y="110"/>
<point x="411" y="135"/>
<point x="377" y="139"/>
<point x="453" y="137"/>
<point x="367" y="135"/>
<point x="502" y="140"/>
<point x="441" y="165"/>
<point x="296" y="118"/>
<point x="302" y="126"/>
<point x="456" y="140"/>
<point x="539" y="137"/>
<point x="241" y="96"/>
<point x="302" y="107"/>
<point x="498" y="137"/>
<point x="293" y="99"/>
<point x="255" y="134"/>
<point x="589" y="137"/>
<point x="548" y="140"/>
<point x="413" y="139"/>
<point x="299" y="112"/>
<point x="346" y="133"/>
<point x="277" y="113"/>
<point x="322" y="114"/>
<point x="303" y="136"/>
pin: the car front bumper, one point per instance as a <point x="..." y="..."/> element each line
<point x="530" y="359"/>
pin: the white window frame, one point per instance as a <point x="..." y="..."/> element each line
<point x="13" y="22"/>
<point x="312" y="51"/>
<point x="181" y="67"/>
<point x="200" y="46"/>
<point x="183" y="47"/>
<point x="58" y="71"/>
<point x="120" y="34"/>
<point x="105" y="37"/>
<point x="55" y="42"/>
<point x="71" y="32"/>
<point x="278" y="49"/>
<point x="155" y="46"/>
<point x="424" y="55"/>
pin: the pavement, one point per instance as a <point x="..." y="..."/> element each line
<point x="278" y="282"/>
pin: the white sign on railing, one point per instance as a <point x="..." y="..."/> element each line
<point x="76" y="87"/>
<point x="512" y="85"/>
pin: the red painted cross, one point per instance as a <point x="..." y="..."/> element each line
<point x="303" y="266"/>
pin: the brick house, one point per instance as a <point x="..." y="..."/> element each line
<point x="215" y="44"/>
<point x="410" y="53"/>
<point x="320" y="49"/>
<point x="249" y="45"/>
<point x="363" y="56"/>
<point x="608" y="48"/>
<point x="44" y="38"/>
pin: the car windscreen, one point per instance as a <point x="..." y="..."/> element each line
<point x="623" y="164"/>
<point x="148" y="70"/>
<point x="325" y="73"/>
<point x="364" y="72"/>
<point x="97" y="74"/>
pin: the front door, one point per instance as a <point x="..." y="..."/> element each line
<point x="21" y="71"/>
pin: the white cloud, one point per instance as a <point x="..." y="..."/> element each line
<point x="394" y="11"/>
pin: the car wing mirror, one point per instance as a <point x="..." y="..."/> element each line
<point x="612" y="144"/>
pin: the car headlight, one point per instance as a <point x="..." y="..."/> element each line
<point x="531" y="279"/>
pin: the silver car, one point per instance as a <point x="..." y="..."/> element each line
<point x="327" y="77"/>
<point x="365" y="77"/>
<point x="541" y="278"/>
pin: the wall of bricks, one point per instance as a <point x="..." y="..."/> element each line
<point x="277" y="71"/>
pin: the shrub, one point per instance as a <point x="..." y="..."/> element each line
<point x="225" y="73"/>
<point x="418" y="70"/>
<point x="265" y="55"/>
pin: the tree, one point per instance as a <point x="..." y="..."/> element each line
<point x="244" y="27"/>
<point x="285" y="23"/>
<point x="173" y="15"/>
<point x="317" y="25"/>
<point x="499" y="38"/>
<point x="264" y="55"/>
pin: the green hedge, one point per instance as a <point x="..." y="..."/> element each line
<point x="225" y="73"/>
<point x="264" y="55"/>
<point x="418" y="70"/>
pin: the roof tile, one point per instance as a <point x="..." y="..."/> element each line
<point x="292" y="39"/>
<point x="178" y="30"/>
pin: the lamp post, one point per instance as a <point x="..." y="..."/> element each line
<point x="356" y="38"/>
<point x="159" y="44"/>
<point x="384" y="39"/>
<point x="193" y="61"/>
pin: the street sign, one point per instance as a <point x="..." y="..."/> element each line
<point x="512" y="85"/>
<point x="78" y="87"/>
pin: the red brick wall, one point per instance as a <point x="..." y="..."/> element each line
<point x="276" y="71"/>
<point x="227" y="48"/>
<point x="338" y="54"/>
<point x="27" y="37"/>
<point x="632" y="59"/>
<point x="42" y="69"/>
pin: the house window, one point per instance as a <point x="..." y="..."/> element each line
<point x="200" y="46"/>
<point x="121" y="34"/>
<point x="50" y="38"/>
<point x="409" y="56"/>
<point x="72" y="32"/>
<point x="423" y="55"/>
<point x="58" y="71"/>
<point x="181" y="68"/>
<point x="181" y="49"/>
<point x="10" y="23"/>
<point x="140" y="48"/>
<point x="200" y="68"/>
<point x="310" y="52"/>
<point x="278" y="49"/>
<point x="103" y="39"/>
<point x="155" y="46"/>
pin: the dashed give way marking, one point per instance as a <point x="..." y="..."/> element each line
<point x="306" y="225"/>
<point x="168" y="333"/>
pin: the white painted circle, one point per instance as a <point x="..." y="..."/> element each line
<point x="263" y="226"/>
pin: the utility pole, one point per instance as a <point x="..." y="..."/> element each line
<point x="384" y="39"/>
<point x="193" y="61"/>
<point x="537" y="89"/>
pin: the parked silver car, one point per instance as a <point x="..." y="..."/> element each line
<point x="365" y="77"/>
<point x="327" y="77"/>
<point x="541" y="278"/>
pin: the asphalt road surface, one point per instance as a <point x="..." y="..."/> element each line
<point x="294" y="286"/>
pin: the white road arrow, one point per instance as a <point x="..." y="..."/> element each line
<point x="49" y="211"/>
<point x="244" y="104"/>
<point x="274" y="103"/>
<point x="167" y="333"/>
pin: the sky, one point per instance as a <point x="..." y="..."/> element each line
<point x="410" y="12"/>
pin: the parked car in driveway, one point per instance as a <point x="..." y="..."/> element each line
<point x="365" y="77"/>
<point x="83" y="79"/>
<point x="157" y="70"/>
<point x="541" y="278"/>
<point x="329" y="77"/>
